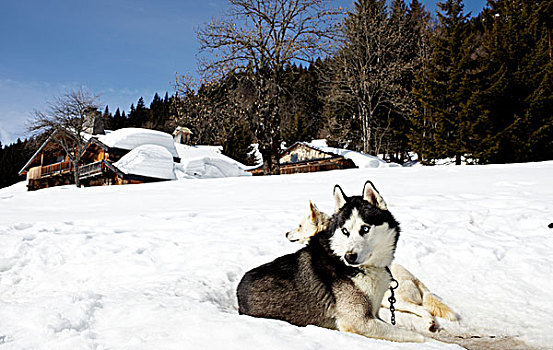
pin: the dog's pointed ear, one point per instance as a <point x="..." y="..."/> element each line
<point x="339" y="197"/>
<point x="371" y="195"/>
<point x="313" y="212"/>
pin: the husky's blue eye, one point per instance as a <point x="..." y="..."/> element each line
<point x="345" y="231"/>
<point x="364" y="230"/>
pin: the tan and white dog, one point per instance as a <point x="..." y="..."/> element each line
<point x="412" y="296"/>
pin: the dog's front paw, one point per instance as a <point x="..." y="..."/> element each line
<point x="419" y="338"/>
<point x="413" y="337"/>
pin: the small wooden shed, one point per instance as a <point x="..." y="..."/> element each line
<point x="302" y="157"/>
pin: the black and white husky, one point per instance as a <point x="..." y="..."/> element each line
<point x="338" y="280"/>
<point x="412" y="296"/>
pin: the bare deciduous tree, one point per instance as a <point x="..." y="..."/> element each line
<point x="210" y="108"/>
<point x="67" y="119"/>
<point x="192" y="109"/>
<point x="261" y="37"/>
<point x="368" y="68"/>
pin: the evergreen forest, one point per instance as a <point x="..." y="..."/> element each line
<point x="400" y="83"/>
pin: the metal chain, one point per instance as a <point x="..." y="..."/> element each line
<point x="392" y="298"/>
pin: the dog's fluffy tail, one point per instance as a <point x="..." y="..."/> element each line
<point x="436" y="307"/>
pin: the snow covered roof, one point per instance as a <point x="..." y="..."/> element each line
<point x="207" y="162"/>
<point x="130" y="138"/>
<point x="148" y="160"/>
<point x="152" y="154"/>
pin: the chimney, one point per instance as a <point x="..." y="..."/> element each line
<point x="182" y="135"/>
<point x="93" y="123"/>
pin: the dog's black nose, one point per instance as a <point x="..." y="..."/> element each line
<point x="351" y="257"/>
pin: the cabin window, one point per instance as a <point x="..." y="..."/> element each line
<point x="294" y="158"/>
<point x="60" y="159"/>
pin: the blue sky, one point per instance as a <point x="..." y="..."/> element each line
<point x="120" y="49"/>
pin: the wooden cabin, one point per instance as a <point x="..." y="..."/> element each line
<point x="304" y="158"/>
<point x="50" y="166"/>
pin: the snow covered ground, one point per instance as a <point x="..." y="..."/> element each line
<point x="155" y="266"/>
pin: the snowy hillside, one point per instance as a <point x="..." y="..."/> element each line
<point x="155" y="266"/>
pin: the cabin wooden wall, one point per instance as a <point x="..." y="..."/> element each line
<point x="321" y="165"/>
<point x="311" y="166"/>
<point x="302" y="153"/>
<point x="100" y="155"/>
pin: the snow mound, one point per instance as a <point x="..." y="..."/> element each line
<point x="209" y="167"/>
<point x="148" y="160"/>
<point x="130" y="138"/>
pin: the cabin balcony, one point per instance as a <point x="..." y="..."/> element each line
<point x="62" y="168"/>
<point x="91" y="170"/>
<point x="40" y="172"/>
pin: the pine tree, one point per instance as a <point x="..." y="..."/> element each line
<point x="517" y="90"/>
<point x="301" y="106"/>
<point x="394" y="126"/>
<point x="141" y="114"/>
<point x="107" y="118"/>
<point x="117" y="122"/>
<point x="539" y="72"/>
<point x="167" y="114"/>
<point x="420" y="27"/>
<point x="442" y="126"/>
<point x="106" y="114"/>
<point x="238" y="145"/>
<point x="155" y="120"/>
<point x="14" y="156"/>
